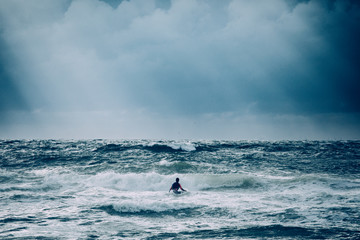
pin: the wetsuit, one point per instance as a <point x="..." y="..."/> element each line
<point x="176" y="186"/>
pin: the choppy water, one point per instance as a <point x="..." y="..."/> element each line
<point x="51" y="189"/>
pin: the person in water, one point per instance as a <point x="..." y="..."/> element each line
<point x="175" y="186"/>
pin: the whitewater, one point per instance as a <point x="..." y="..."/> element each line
<point x="119" y="189"/>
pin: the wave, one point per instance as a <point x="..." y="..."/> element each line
<point x="157" y="147"/>
<point x="177" y="166"/>
<point x="29" y="219"/>
<point x="60" y="179"/>
<point x="211" y="146"/>
<point x="337" y="158"/>
<point x="150" y="208"/>
<point x="319" y="181"/>
<point x="275" y="231"/>
<point x="151" y="181"/>
<point x="317" y="152"/>
<point x="111" y="147"/>
<point x="209" y="182"/>
<point x="171" y="147"/>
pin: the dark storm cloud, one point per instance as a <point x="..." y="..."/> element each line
<point x="330" y="83"/>
<point x="255" y="65"/>
<point x="10" y="96"/>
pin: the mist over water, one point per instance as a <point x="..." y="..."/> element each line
<point x="236" y="189"/>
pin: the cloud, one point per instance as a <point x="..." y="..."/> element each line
<point x="182" y="60"/>
<point x="10" y="96"/>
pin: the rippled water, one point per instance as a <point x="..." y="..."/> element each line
<point x="91" y="189"/>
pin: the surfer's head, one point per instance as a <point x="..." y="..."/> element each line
<point x="177" y="179"/>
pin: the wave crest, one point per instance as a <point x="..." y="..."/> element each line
<point x="156" y="208"/>
<point x="157" y="147"/>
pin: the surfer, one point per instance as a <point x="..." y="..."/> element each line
<point x="175" y="186"/>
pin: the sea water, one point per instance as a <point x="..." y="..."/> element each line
<point x="103" y="189"/>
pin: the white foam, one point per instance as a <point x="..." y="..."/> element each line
<point x="163" y="162"/>
<point x="186" y="146"/>
<point x="150" y="181"/>
<point x="158" y="182"/>
<point x="132" y="181"/>
<point x="180" y="145"/>
<point x="109" y="179"/>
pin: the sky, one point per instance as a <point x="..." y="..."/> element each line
<point x="180" y="69"/>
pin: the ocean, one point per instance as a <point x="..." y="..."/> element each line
<point x="119" y="189"/>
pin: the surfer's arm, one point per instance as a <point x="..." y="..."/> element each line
<point x="182" y="188"/>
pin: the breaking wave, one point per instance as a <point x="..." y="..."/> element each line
<point x="148" y="181"/>
<point x="152" y="181"/>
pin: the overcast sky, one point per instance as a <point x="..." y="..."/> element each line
<point x="180" y="69"/>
